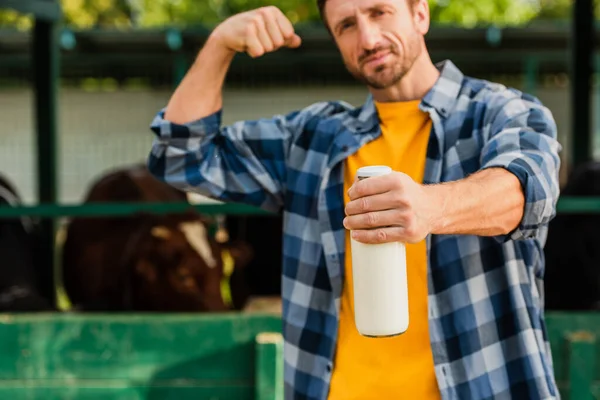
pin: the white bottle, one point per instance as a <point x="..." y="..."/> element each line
<point x="380" y="284"/>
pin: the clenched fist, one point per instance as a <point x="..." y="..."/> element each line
<point x="257" y="32"/>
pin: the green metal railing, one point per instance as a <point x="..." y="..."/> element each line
<point x="566" y="205"/>
<point x="124" y="209"/>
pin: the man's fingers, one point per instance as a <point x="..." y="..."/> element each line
<point x="253" y="46"/>
<point x="380" y="235"/>
<point x="373" y="185"/>
<point x="263" y="34"/>
<point x="376" y="219"/>
<point x="386" y="235"/>
<point x="377" y="202"/>
<point x="274" y="31"/>
<point x="287" y="30"/>
<point x="268" y="31"/>
<point x="294" y="42"/>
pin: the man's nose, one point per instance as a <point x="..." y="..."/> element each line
<point x="369" y="35"/>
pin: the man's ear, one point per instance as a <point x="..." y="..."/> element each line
<point x="422" y="16"/>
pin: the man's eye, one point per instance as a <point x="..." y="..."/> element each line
<point x="346" y="25"/>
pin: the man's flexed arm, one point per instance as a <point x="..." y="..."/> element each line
<point x="245" y="162"/>
<point x="255" y="32"/>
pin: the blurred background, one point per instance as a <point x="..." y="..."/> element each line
<point x="120" y="60"/>
<point x="121" y="300"/>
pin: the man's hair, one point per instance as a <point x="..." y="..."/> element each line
<point x="321" y="6"/>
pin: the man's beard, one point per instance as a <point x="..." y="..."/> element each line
<point x="389" y="74"/>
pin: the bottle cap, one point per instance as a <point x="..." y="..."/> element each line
<point x="373" y="170"/>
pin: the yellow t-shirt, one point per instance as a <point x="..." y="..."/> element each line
<point x="400" y="367"/>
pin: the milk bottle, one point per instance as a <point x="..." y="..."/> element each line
<point x="380" y="284"/>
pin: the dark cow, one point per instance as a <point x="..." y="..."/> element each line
<point x="22" y="270"/>
<point x="146" y="262"/>
<point x="572" y="250"/>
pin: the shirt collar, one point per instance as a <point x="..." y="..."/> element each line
<point x="441" y="97"/>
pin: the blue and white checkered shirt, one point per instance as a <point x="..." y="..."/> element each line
<point x="485" y="293"/>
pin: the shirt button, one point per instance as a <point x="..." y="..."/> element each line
<point x="329" y="367"/>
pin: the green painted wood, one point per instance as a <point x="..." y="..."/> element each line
<point x="562" y="326"/>
<point x="99" y="391"/>
<point x="149" y="356"/>
<point x="269" y="366"/>
<point x="581" y="364"/>
<point x="191" y="356"/>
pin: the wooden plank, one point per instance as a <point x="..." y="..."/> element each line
<point x="130" y="356"/>
<point x="206" y="350"/>
<point x="109" y="391"/>
<point x="581" y="364"/>
<point x="48" y="10"/>
<point x="269" y="366"/>
<point x="559" y="326"/>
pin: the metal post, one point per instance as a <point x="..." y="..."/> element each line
<point x="46" y="73"/>
<point x="581" y="79"/>
<point x="174" y="41"/>
<point x="532" y="67"/>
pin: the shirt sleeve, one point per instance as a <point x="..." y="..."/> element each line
<point x="244" y="162"/>
<point x="523" y="140"/>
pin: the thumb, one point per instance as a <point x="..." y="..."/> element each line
<point x="294" y="42"/>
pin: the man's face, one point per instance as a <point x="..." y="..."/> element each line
<point x="379" y="39"/>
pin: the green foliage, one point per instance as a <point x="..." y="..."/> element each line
<point x="556" y="9"/>
<point x="295" y="10"/>
<point x="79" y="14"/>
<point x="469" y="13"/>
<point x="10" y="18"/>
<point x="84" y="14"/>
<point x="158" y="13"/>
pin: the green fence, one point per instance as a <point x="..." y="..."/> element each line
<point x="127" y="357"/>
<point x="225" y="357"/>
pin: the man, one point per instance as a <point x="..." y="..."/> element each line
<point x="474" y="188"/>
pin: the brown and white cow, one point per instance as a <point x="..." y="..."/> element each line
<point x="148" y="262"/>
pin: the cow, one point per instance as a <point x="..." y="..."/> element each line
<point x="572" y="249"/>
<point x="23" y="270"/>
<point x="145" y="261"/>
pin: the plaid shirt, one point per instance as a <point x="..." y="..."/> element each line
<point x="485" y="293"/>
